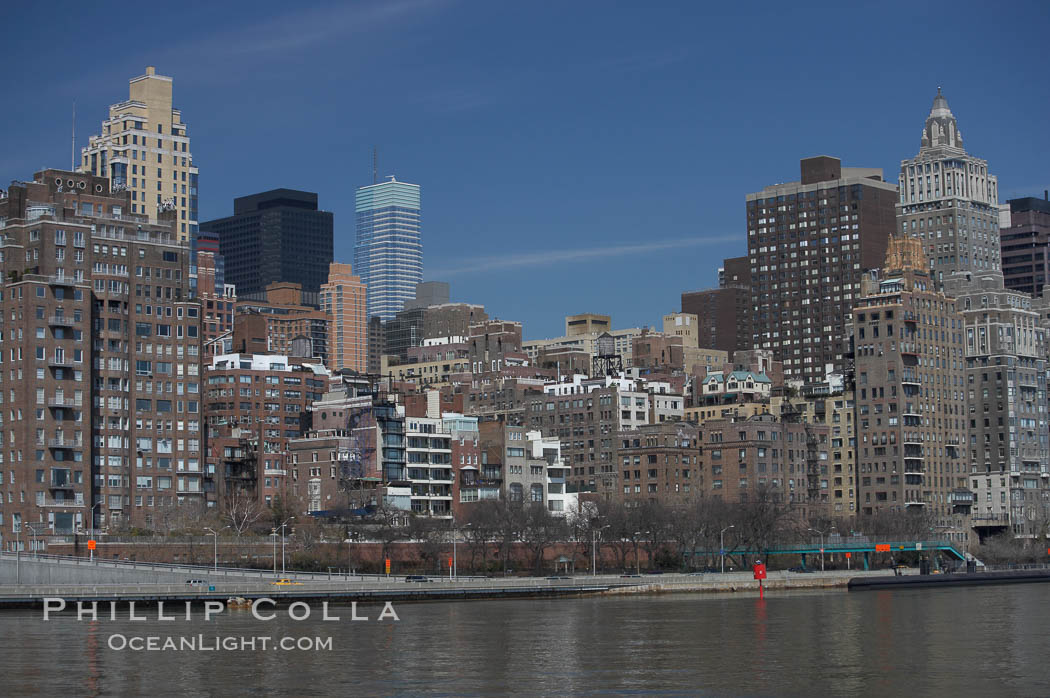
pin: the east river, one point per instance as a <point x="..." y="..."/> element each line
<point x="970" y="641"/>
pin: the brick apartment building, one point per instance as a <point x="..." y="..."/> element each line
<point x="256" y="403"/>
<point x="660" y="462"/>
<point x="271" y="326"/>
<point x="910" y="392"/>
<point x="809" y="243"/>
<point x="787" y="459"/>
<point x="101" y="384"/>
<point x="724" y="314"/>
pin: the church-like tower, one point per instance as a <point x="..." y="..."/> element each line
<point x="948" y="200"/>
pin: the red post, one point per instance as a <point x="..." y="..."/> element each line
<point x="760" y="574"/>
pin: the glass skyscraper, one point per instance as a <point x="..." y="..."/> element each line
<point x="388" y="254"/>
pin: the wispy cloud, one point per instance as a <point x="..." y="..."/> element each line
<point x="455" y="99"/>
<point x="644" y="61"/>
<point x="586" y="254"/>
<point x="213" y="57"/>
<point x="303" y="28"/>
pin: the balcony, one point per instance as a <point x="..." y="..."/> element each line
<point x="64" y="443"/>
<point x="61" y="402"/>
<point x="60" y="362"/>
<point x="989" y="519"/>
<point x="60" y="281"/>
<point x="60" y="321"/>
<point x="53" y="502"/>
<point x="914" y="503"/>
<point x="961" y="497"/>
<point x="278" y="472"/>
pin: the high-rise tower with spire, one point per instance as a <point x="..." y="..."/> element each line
<point x="948" y="200"/>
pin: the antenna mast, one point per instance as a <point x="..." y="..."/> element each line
<point x="73" y="147"/>
<point x="375" y="164"/>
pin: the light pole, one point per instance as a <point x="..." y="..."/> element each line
<point x="594" y="542"/>
<point x="282" y="543"/>
<point x="215" y="564"/>
<point x="821" y="547"/>
<point x="32" y="532"/>
<point x="349" y="554"/>
<point x="273" y="532"/>
<point x="637" y="562"/>
<point x="722" y="546"/>
<point x="455" y="561"/>
<point x="92" y="515"/>
<point x="18" y="554"/>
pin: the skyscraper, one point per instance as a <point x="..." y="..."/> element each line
<point x="1025" y="244"/>
<point x="144" y="148"/>
<point x="949" y="200"/>
<point x="277" y="235"/>
<point x="388" y="255"/>
<point x="809" y="243"/>
<point x="343" y="300"/>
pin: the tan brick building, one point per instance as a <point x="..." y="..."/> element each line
<point x="343" y="301"/>
<point x="144" y="149"/>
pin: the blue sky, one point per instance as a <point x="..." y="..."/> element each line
<point x="574" y="156"/>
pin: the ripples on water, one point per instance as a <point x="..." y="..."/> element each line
<point x="973" y="641"/>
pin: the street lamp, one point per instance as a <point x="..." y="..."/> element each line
<point x="594" y="535"/>
<point x="18" y="556"/>
<point x="455" y="563"/>
<point x="32" y="532"/>
<point x="349" y="554"/>
<point x="215" y="564"/>
<point x="92" y="515"/>
<point x="722" y="546"/>
<point x="282" y="543"/>
<point x="637" y="562"/>
<point x="273" y="532"/>
<point x="821" y="547"/>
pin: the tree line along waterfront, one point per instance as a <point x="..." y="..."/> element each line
<point x="519" y="538"/>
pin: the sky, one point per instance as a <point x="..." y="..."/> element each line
<point x="573" y="156"/>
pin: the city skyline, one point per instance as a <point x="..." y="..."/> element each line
<point x="622" y="183"/>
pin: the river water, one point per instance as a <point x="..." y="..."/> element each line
<point x="950" y="642"/>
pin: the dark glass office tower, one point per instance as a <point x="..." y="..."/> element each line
<point x="277" y="235"/>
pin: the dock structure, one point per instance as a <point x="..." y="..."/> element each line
<point x="854" y="545"/>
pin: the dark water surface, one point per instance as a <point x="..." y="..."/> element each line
<point x="975" y="641"/>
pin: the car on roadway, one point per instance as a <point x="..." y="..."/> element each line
<point x="417" y="578"/>
<point x="197" y="582"/>
<point x="286" y="583"/>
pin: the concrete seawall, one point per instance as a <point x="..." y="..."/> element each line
<point x="740" y="585"/>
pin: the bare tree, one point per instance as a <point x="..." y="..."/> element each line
<point x="539" y="531"/>
<point x="510" y="523"/>
<point x="431" y="537"/>
<point x="484" y="520"/>
<point x="241" y="511"/>
<point x="623" y="530"/>
<point x="763" y="520"/>
<point x="389" y="525"/>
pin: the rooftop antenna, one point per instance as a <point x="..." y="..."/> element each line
<point x="73" y="147"/>
<point x="375" y="164"/>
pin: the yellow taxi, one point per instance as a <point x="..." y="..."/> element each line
<point x="286" y="583"/>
